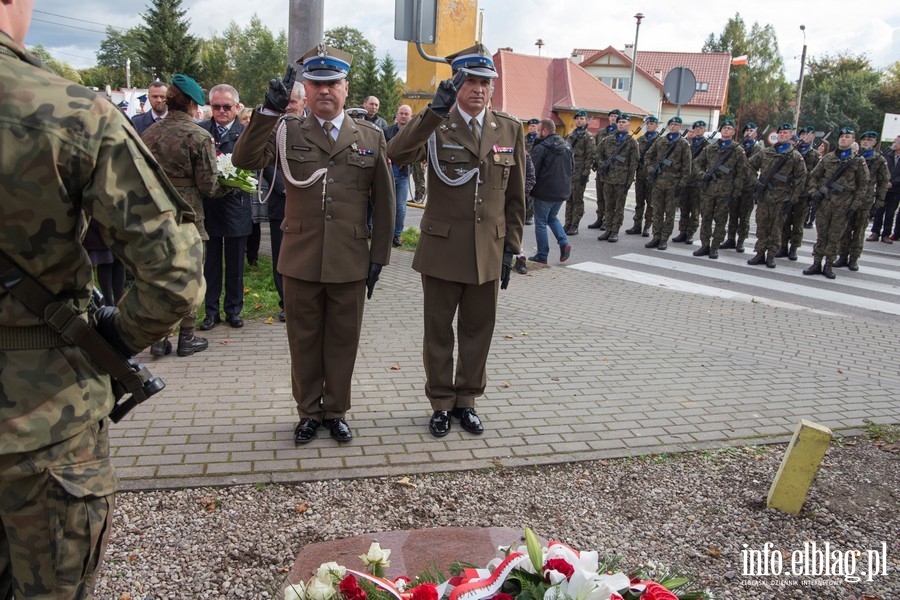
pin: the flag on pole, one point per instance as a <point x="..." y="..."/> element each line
<point x="739" y="60"/>
<point x="134" y="104"/>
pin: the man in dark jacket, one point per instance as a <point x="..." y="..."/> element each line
<point x="554" y="162"/>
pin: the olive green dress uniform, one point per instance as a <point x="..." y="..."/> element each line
<point x="784" y="187"/>
<point x="617" y="180"/>
<point x="671" y="179"/>
<point x="460" y="251"/>
<point x="325" y="254"/>
<point x="582" y="143"/>
<point x="68" y="156"/>
<point x="721" y="192"/>
<point x="854" y="237"/>
<point x="830" y="218"/>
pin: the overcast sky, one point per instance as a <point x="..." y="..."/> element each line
<point x="72" y="31"/>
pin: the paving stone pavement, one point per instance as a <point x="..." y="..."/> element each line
<point x="582" y="367"/>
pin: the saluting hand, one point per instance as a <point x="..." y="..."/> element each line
<point x="445" y="95"/>
<point x="279" y="93"/>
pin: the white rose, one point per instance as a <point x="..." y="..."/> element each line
<point x="317" y="589"/>
<point x="296" y="591"/>
<point x="376" y="555"/>
<point x="329" y="570"/>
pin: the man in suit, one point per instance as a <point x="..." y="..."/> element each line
<point x="156" y="96"/>
<point x="228" y="220"/>
<point x="471" y="229"/>
<point x="331" y="165"/>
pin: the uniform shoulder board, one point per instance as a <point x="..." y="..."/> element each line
<point x="506" y="116"/>
<point x="368" y="124"/>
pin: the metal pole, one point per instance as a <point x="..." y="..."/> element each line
<point x="306" y="26"/>
<point x="800" y="82"/>
<point x="637" y="30"/>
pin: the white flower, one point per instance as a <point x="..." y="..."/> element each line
<point x="327" y="572"/>
<point x="376" y="556"/>
<point x="224" y="166"/>
<point x="317" y="589"/>
<point x="296" y="591"/>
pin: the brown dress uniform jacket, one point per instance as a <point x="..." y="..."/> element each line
<point x="464" y="231"/>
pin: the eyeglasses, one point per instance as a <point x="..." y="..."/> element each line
<point x="225" y="107"/>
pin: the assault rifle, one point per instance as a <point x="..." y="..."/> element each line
<point x="664" y="162"/>
<point x="765" y="182"/>
<point x="650" y="145"/>
<point x="832" y="185"/>
<point x="818" y="142"/>
<point x="616" y="156"/>
<point x="719" y="167"/>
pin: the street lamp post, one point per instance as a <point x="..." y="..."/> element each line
<point x="800" y="82"/>
<point x="637" y="30"/>
<point x="539" y="44"/>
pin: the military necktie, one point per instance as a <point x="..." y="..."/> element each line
<point x="329" y="126"/>
<point x="473" y="125"/>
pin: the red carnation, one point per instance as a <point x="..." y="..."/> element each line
<point x="655" y="591"/>
<point x="425" y="591"/>
<point x="560" y="566"/>
<point x="349" y="587"/>
<point x="501" y="596"/>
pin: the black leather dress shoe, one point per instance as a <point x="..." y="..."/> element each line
<point x="305" y="431"/>
<point x="339" y="429"/>
<point x="209" y="322"/>
<point x="234" y="320"/>
<point x="468" y="419"/>
<point x="439" y="425"/>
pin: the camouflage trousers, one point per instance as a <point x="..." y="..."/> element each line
<point x="793" y="223"/>
<point x="830" y="224"/>
<point x="575" y="203"/>
<point x="739" y="215"/>
<point x="769" y="223"/>
<point x="713" y="212"/>
<point x="601" y="201"/>
<point x="689" y="209"/>
<point x="642" y="202"/>
<point x="56" y="508"/>
<point x="419" y="180"/>
<point x="854" y="234"/>
<point x="615" y="195"/>
<point x="664" y="203"/>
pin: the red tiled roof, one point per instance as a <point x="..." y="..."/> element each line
<point x="534" y="87"/>
<point x="712" y="68"/>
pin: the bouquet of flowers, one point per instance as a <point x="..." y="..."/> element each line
<point x="529" y="572"/>
<point x="231" y="176"/>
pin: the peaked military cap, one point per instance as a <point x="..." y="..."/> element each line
<point x="846" y="130"/>
<point x="615" y="111"/>
<point x="785" y="127"/>
<point x="651" y="119"/>
<point x="324" y="63"/>
<point x="190" y="88"/>
<point x="869" y="134"/>
<point x="532" y="121"/>
<point x="807" y="129"/>
<point x="749" y="125"/>
<point x="581" y="113"/>
<point x="698" y="124"/>
<point x="675" y="120"/>
<point x="623" y="117"/>
<point x="473" y="61"/>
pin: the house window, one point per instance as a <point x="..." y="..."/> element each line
<point x="620" y="84"/>
<point x="702" y="86"/>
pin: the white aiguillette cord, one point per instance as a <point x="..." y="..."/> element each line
<point x="281" y="159"/>
<point x="463" y="179"/>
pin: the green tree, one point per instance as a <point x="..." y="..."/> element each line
<point x="388" y="90"/>
<point x="887" y="97"/>
<point x="367" y="82"/>
<point x="115" y="50"/>
<point x="61" y="68"/>
<point x="255" y="56"/>
<point x="757" y="91"/>
<point x="839" y="91"/>
<point x="100" y="77"/>
<point x="166" y="46"/>
<point x="215" y="66"/>
<point x="363" y="77"/>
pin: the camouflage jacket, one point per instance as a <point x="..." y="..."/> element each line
<point x="722" y="185"/>
<point x="787" y="183"/>
<point x="623" y="166"/>
<point x="854" y="181"/>
<point x="678" y="170"/>
<point x="644" y="145"/>
<point x="582" y="143"/>
<point x="187" y="154"/>
<point x="68" y="156"/>
<point x="810" y="159"/>
<point x="879" y="176"/>
<point x="601" y="134"/>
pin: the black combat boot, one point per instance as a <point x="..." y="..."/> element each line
<point x="613" y="237"/>
<point x="782" y="252"/>
<point x="646" y="232"/>
<point x="758" y="259"/>
<point x="604" y="236"/>
<point x="679" y="238"/>
<point x="840" y="262"/>
<point x="852" y="264"/>
<point x="633" y="230"/>
<point x="727" y="244"/>
<point x="714" y="251"/>
<point x="827" y="269"/>
<point x="770" y="259"/>
<point x="188" y="343"/>
<point x="161" y="348"/>
<point x="792" y="253"/>
<point x="652" y="243"/>
<point x="815" y="268"/>
<point x="739" y="247"/>
<point x="596" y="224"/>
<point x="702" y="251"/>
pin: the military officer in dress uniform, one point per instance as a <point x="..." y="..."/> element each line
<point x="471" y="229"/>
<point x="331" y="164"/>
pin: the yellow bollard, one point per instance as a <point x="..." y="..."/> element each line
<point x="799" y="467"/>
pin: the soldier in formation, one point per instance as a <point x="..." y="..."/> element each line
<point x="643" y="211"/>
<point x="582" y="144"/>
<point x="689" y="205"/>
<point x="617" y="157"/>
<point x="669" y="167"/>
<point x="792" y="234"/>
<point x="740" y="210"/>
<point x="608" y="130"/>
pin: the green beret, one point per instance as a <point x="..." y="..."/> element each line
<point x="846" y="130"/>
<point x="749" y="125"/>
<point x="615" y="111"/>
<point x="581" y="113"/>
<point x="785" y="127"/>
<point x="532" y="121"/>
<point x="190" y="88"/>
<point x="726" y="123"/>
<point x="675" y="120"/>
<point x="651" y="119"/>
<point x="807" y="129"/>
<point x="623" y="117"/>
<point x="869" y="134"/>
<point x="698" y="124"/>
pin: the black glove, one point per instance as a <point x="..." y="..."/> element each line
<point x="786" y="207"/>
<point x="105" y="325"/>
<point x="506" y="268"/>
<point x="707" y="177"/>
<point x="372" y="279"/>
<point x="584" y="179"/>
<point x="445" y="95"/>
<point x="817" y="196"/>
<point x="279" y="93"/>
<point x="848" y="214"/>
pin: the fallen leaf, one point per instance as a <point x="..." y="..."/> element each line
<point x="554" y="379"/>
<point x="509" y="336"/>
<point x="404" y="481"/>
<point x="840" y="371"/>
<point x="301" y="508"/>
<point x="523" y="333"/>
<point x="225" y="342"/>
<point x="506" y="384"/>
<point x="395" y="367"/>
<point x="714" y="552"/>
<point x="124" y="596"/>
<point x="269" y="321"/>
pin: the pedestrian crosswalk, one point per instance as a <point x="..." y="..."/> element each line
<point x="876" y="287"/>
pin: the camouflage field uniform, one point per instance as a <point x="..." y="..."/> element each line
<point x="69" y="155"/>
<point x="831" y="218"/>
<point x="617" y="179"/>
<point x="854" y="237"/>
<point x="669" y="183"/>
<point x="784" y="187"/>
<point x="689" y="205"/>
<point x="742" y="209"/>
<point x="601" y="204"/>
<point x="793" y="224"/>
<point x="582" y="143"/>
<point x="721" y="191"/>
<point x="643" y="211"/>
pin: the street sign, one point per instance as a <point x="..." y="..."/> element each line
<point x="679" y="86"/>
<point x="415" y="21"/>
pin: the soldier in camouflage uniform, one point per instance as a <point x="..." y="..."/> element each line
<point x="605" y="131"/>
<point x="792" y="234"/>
<point x="582" y="144"/>
<point x="838" y="184"/>
<point x="618" y="157"/>
<point x="669" y="166"/>
<point x="187" y="154"/>
<point x="782" y="175"/>
<point x="689" y="206"/>
<point x="642" y="209"/>
<point x="721" y="169"/>
<point x="742" y="208"/>
<point x="530" y="138"/>
<point x="851" y="244"/>
<point x="70" y="156"/>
